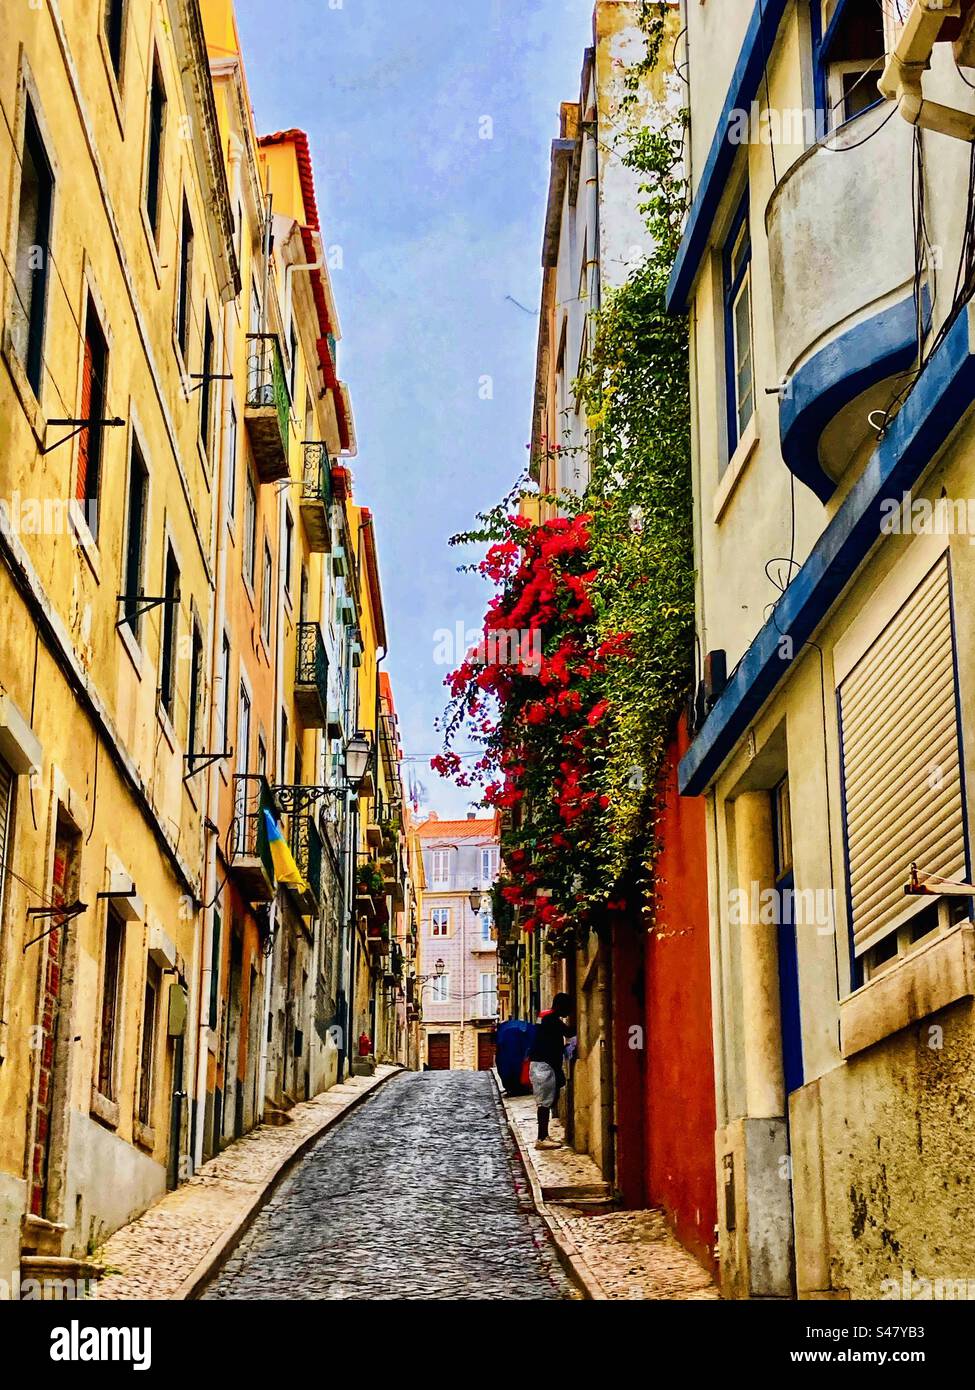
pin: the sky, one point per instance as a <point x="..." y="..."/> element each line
<point x="440" y="233"/>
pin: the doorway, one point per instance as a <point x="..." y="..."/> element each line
<point x="485" y="1051"/>
<point x="438" y="1051"/>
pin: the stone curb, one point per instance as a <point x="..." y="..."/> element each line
<point x="225" y="1245"/>
<point x="570" y="1256"/>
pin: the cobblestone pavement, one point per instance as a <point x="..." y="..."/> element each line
<point x="618" y="1254"/>
<point x="417" y="1194"/>
<point x="155" y="1255"/>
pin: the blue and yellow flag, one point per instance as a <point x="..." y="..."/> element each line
<point x="285" y="868"/>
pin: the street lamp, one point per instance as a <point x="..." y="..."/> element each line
<point x="474" y="898"/>
<point x="357" y="754"/>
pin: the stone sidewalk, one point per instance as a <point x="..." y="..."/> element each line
<point x="613" y="1254"/>
<point x="168" y="1252"/>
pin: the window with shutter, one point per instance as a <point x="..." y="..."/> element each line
<point x="900" y="748"/>
<point x="6" y="808"/>
<point x="94" y="367"/>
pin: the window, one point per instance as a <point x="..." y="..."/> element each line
<point x="440" y="921"/>
<point x="111" y="991"/>
<point x="293" y="346"/>
<point x="7" y="783"/>
<point x="114" y="28"/>
<point x="215" y="972"/>
<point x="441" y="866"/>
<point x="738" y="328"/>
<point x="94" y="368"/>
<point x="135" y="539"/>
<point x="29" y="310"/>
<point x="232" y="463"/>
<point x="487" y="996"/>
<point x="489" y="865"/>
<point x="205" y="388"/>
<point x="441" y="989"/>
<point x="266" y="595"/>
<point x="170" y="633"/>
<point x="244" y="731"/>
<point x="250" y="528"/>
<point x="154" y="152"/>
<point x="150" y="1010"/>
<point x="184" y="283"/>
<point x="196" y="690"/>
<point x="485" y="926"/>
<point x="903" y="796"/>
<point x="261" y="753"/>
<point x="851" y="39"/>
<point x="223" y="709"/>
<point x="289" y="548"/>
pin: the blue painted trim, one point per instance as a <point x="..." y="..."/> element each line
<point x="820" y="96"/>
<point x="880" y="347"/>
<point x="944" y="391"/>
<point x="759" y="40"/>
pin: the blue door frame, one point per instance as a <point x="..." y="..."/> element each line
<point x="789" y="986"/>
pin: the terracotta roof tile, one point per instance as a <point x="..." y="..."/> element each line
<point x="458" y="829"/>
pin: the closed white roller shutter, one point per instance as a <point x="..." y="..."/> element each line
<point x="901" y="764"/>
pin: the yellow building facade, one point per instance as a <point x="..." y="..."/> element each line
<point x="187" y="597"/>
<point x="118" y="252"/>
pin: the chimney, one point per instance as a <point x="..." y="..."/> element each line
<point x="433" y="816"/>
<point x="472" y="815"/>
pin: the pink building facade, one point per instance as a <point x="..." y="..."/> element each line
<point x="458" y="950"/>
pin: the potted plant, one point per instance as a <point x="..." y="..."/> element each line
<point x="369" y="882"/>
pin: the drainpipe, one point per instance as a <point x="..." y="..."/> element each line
<point x="218" y="546"/>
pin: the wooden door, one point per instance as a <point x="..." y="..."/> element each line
<point x="485" y="1051"/>
<point x="438" y="1051"/>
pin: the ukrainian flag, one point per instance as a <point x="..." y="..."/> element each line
<point x="285" y="868"/>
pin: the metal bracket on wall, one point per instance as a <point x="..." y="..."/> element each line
<point x="205" y="760"/>
<point x="150" y="603"/>
<point x="64" y="914"/>
<point x="79" y="425"/>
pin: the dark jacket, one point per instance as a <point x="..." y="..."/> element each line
<point x="548" y="1044"/>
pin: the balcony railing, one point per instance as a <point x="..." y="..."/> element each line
<point x="316" y="496"/>
<point x="267" y="411"/>
<point x="250" y="852"/>
<point x="306" y="847"/>
<point x="311" y="676"/>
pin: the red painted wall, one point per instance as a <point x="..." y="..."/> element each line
<point x="629" y="1061"/>
<point x="680" y="1108"/>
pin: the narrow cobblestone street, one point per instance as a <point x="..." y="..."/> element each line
<point x="416" y="1194"/>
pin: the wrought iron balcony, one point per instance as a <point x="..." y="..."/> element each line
<point x="267" y="409"/>
<point x="250" y="856"/>
<point x="306" y="847"/>
<point x="316" y="496"/>
<point x="311" y="676"/>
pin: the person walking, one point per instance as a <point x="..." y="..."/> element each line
<point x="546" y="1056"/>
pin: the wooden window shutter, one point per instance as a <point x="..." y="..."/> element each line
<point x="87" y="395"/>
<point x="6" y="801"/>
<point x="902" y="773"/>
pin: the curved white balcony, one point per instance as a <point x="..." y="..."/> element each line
<point x="840" y="230"/>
